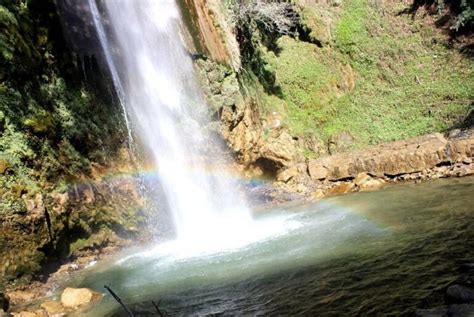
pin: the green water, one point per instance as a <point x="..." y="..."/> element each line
<point x="378" y="253"/>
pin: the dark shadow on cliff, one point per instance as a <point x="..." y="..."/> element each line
<point x="251" y="43"/>
<point x="455" y="18"/>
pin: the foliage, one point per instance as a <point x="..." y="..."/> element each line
<point x="407" y="81"/>
<point x="465" y="18"/>
<point x="271" y="16"/>
<point x="52" y="124"/>
<point x="457" y="14"/>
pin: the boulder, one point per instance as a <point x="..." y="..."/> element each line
<point x="341" y="188"/>
<point x="18" y="297"/>
<point x="460" y="294"/>
<point x="76" y="297"/>
<point x="300" y="188"/>
<point x="316" y="170"/>
<point x="362" y="178"/>
<point x="52" y="307"/>
<point x="318" y="194"/>
<point x="371" y="184"/>
<point x="454" y="133"/>
<point x="461" y="310"/>
<point x="280" y="149"/>
<point x="289" y="173"/>
<point x="465" y="171"/>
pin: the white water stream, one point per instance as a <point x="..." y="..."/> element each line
<point x="154" y="78"/>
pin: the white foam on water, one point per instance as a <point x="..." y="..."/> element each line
<point x="209" y="244"/>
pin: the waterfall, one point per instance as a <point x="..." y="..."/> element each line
<point x="155" y="81"/>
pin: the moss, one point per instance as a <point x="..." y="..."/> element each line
<point x="351" y="29"/>
<point x="383" y="77"/>
<point x="53" y="125"/>
<point x="309" y="78"/>
<point x="408" y="82"/>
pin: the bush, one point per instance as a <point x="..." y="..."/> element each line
<point x="271" y="16"/>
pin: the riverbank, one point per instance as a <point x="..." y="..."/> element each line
<point x="418" y="159"/>
<point x="374" y="243"/>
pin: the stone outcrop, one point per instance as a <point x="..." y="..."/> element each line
<point x="426" y="157"/>
<point x="95" y="214"/>
<point x="77" y="297"/>
<point x="393" y="159"/>
<point x="268" y="147"/>
<point x="211" y="31"/>
<point x="279" y="148"/>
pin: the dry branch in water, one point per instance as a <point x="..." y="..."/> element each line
<point x="119" y="300"/>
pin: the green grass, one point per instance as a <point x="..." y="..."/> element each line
<point x="407" y="82"/>
<point x="308" y="81"/>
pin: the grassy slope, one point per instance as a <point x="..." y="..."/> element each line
<point x="407" y="82"/>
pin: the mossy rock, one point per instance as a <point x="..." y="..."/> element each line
<point x="317" y="24"/>
<point x="4" y="166"/>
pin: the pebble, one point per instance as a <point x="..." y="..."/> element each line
<point x="460" y="294"/>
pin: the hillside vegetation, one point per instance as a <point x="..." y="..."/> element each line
<point x="363" y="68"/>
<point x="58" y="131"/>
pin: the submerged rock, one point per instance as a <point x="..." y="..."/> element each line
<point x="53" y="307"/>
<point x="432" y="312"/>
<point x="461" y="310"/>
<point x="76" y="297"/>
<point x="460" y="294"/>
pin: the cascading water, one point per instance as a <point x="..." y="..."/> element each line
<point x="154" y="77"/>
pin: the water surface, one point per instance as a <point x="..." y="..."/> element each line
<point x="376" y="253"/>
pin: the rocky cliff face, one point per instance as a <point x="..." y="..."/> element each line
<point x="58" y="133"/>
<point x="348" y="75"/>
<point x="259" y="143"/>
